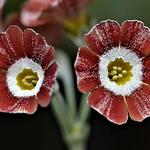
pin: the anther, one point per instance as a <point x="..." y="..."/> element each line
<point x="34" y="82"/>
<point x="113" y="72"/>
<point x="115" y="77"/>
<point x="27" y="83"/>
<point x="124" y="72"/>
<point x="119" y="68"/>
<point x="120" y="75"/>
<point x="114" y="67"/>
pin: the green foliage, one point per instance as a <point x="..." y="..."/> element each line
<point x="12" y="6"/>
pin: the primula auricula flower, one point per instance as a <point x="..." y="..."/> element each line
<point x="115" y="69"/>
<point x="38" y="12"/>
<point x="28" y="71"/>
<point x="52" y="32"/>
<point x="68" y="13"/>
<point x="74" y="15"/>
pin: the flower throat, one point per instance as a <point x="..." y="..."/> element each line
<point x="27" y="79"/>
<point x="119" y="71"/>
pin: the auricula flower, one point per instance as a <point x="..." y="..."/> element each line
<point x="70" y="14"/>
<point x="38" y="12"/>
<point x="27" y="71"/>
<point x="115" y="68"/>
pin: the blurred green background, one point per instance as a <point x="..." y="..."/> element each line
<point x="121" y="10"/>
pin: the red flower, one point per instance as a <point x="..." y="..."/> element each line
<point x="115" y="69"/>
<point x="51" y="31"/>
<point x="56" y="16"/>
<point x="27" y="72"/>
<point x="36" y="12"/>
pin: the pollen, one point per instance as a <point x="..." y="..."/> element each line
<point x="27" y="79"/>
<point x="119" y="71"/>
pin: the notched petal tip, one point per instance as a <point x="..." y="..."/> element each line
<point x="110" y="106"/>
<point x="13" y="27"/>
<point x="103" y="36"/>
<point x="139" y="103"/>
<point x="136" y="36"/>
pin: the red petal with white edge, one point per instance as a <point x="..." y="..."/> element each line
<point x="45" y="92"/>
<point x="103" y="36"/>
<point x="37" y="49"/>
<point x="135" y="36"/>
<point x="86" y="67"/>
<point x="139" y="103"/>
<point x="11" y="104"/>
<point x="109" y="105"/>
<point x="146" y="70"/>
<point x="11" y="46"/>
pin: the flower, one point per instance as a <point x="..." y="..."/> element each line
<point x="115" y="68"/>
<point x="28" y="71"/>
<point x="36" y="12"/>
<point x="70" y="14"/>
<point x="52" y="32"/>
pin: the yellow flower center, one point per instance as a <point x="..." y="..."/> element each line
<point x="119" y="71"/>
<point x="27" y="79"/>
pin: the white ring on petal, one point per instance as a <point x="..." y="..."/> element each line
<point x="128" y="56"/>
<point x="17" y="68"/>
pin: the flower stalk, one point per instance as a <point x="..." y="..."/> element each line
<point x="73" y="122"/>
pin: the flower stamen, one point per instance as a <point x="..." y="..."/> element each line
<point x="27" y="79"/>
<point x="119" y="71"/>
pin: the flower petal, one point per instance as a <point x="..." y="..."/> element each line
<point x="103" y="36"/>
<point x="2" y="2"/>
<point x="11" y="104"/>
<point x="139" y="103"/>
<point x="135" y="36"/>
<point x="4" y="60"/>
<point x="31" y="14"/>
<point x="45" y="92"/>
<point x="11" y="46"/>
<point x="69" y="8"/>
<point x="37" y="49"/>
<point x="86" y="67"/>
<point x="146" y="70"/>
<point x="44" y="97"/>
<point x="109" y="105"/>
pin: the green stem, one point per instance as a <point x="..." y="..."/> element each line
<point x="84" y="109"/>
<point x="60" y="110"/>
<point x="78" y="146"/>
<point x="65" y="73"/>
<point x="75" y="132"/>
